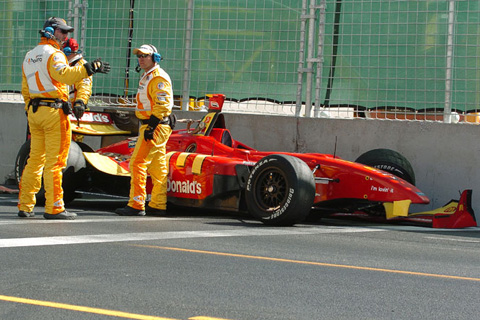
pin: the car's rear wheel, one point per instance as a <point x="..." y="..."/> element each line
<point x="390" y="161"/>
<point x="75" y="162"/>
<point x="280" y="190"/>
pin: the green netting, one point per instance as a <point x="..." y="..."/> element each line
<point x="389" y="53"/>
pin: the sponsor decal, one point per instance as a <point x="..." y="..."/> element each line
<point x="185" y="187"/>
<point x="132" y="143"/>
<point x="388" y="168"/>
<point x="259" y="163"/>
<point x="37" y="58"/>
<point x="381" y="189"/>
<point x="279" y="212"/>
<point x="93" y="117"/>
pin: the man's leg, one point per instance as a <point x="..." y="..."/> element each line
<point x="57" y="139"/>
<point x="31" y="180"/>
<point x="158" y="169"/>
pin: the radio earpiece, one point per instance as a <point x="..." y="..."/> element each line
<point x="49" y="33"/>
<point x="157" y="57"/>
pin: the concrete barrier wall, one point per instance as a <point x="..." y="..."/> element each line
<point x="13" y="124"/>
<point x="444" y="156"/>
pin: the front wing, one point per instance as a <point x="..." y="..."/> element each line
<point x="456" y="214"/>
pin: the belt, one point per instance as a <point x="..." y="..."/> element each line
<point x="56" y="104"/>
<point x="165" y="120"/>
<point x="52" y="103"/>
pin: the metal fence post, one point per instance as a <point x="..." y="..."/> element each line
<point x="188" y="57"/>
<point x="320" y="46"/>
<point x="310" y="59"/>
<point x="447" y="111"/>
<point x="301" y="57"/>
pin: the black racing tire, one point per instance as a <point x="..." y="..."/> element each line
<point x="390" y="161"/>
<point x="75" y="162"/>
<point x="125" y="120"/>
<point x="280" y="190"/>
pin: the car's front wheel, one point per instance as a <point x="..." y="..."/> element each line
<point x="280" y="190"/>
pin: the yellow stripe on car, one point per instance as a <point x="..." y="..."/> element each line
<point x="397" y="208"/>
<point x="197" y="163"/>
<point x="182" y="159"/>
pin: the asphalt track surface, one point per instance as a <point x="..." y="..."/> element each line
<point x="204" y="265"/>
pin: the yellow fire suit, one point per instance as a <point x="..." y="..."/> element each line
<point x="46" y="75"/>
<point x="154" y="97"/>
<point x="82" y="89"/>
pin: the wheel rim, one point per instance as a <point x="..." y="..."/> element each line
<point x="271" y="191"/>
<point x="191" y="148"/>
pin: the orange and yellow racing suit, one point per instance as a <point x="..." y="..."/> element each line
<point x="82" y="89"/>
<point x="154" y="97"/>
<point x="46" y="75"/>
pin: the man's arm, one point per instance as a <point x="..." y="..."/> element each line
<point x="25" y="91"/>
<point x="83" y="87"/>
<point x="60" y="70"/>
<point x="161" y="95"/>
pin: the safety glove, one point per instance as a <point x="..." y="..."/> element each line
<point x="97" y="65"/>
<point x="78" y="109"/>
<point x="152" y="124"/>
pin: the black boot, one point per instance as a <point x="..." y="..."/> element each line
<point x="155" y="212"/>
<point x="64" y="215"/>
<point x="129" y="211"/>
<point x="25" y="214"/>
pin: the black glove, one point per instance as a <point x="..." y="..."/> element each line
<point x="97" y="65"/>
<point x="152" y="124"/>
<point x="148" y="133"/>
<point x="78" y="109"/>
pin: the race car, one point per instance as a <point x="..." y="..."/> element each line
<point x="209" y="169"/>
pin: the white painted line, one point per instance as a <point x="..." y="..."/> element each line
<point x="113" y="218"/>
<point x="453" y="239"/>
<point x="146" y="236"/>
<point x="421" y="229"/>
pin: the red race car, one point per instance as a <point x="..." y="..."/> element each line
<point x="209" y="169"/>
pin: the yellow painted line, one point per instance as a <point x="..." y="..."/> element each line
<point x="206" y="318"/>
<point x="113" y="313"/>
<point x="322" y="264"/>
